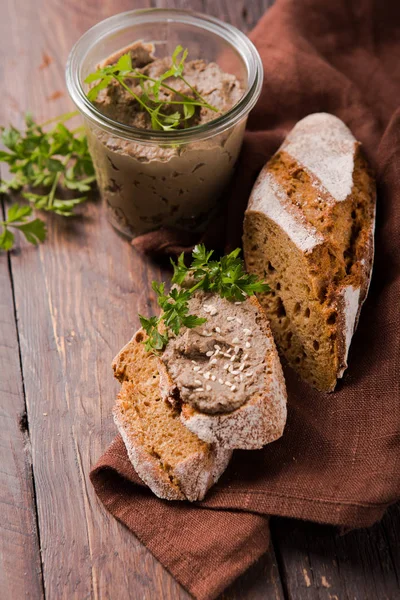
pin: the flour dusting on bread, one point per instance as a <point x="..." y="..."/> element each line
<point x="325" y="146"/>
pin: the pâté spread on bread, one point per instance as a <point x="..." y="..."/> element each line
<point x="217" y="366"/>
<point x="148" y="184"/>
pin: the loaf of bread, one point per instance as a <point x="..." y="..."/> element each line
<point x="308" y="231"/>
<point x="170" y="459"/>
<point x="233" y="348"/>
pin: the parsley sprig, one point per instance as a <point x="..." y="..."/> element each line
<point x="149" y="99"/>
<point x="34" y="230"/>
<point x="47" y="161"/>
<point x="225" y="277"/>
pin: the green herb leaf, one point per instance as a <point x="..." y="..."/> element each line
<point x="226" y="277"/>
<point x="6" y="239"/>
<point x="159" y="110"/>
<point x="49" y="160"/>
<point x="125" y="63"/>
<point x="34" y="231"/>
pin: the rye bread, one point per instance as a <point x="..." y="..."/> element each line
<point x="171" y="460"/>
<point x="308" y="231"/>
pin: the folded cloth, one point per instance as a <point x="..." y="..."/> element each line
<point x="338" y="460"/>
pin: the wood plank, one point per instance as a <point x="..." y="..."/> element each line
<point x="20" y="566"/>
<point x="240" y="13"/>
<point x="319" y="564"/>
<point x="85" y="288"/>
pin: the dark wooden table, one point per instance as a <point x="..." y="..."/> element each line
<point x="65" y="308"/>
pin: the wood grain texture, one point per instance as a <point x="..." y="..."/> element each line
<point x="317" y="563"/>
<point x="20" y="566"/>
<point x="241" y="13"/>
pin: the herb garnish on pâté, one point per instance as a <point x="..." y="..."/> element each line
<point x="149" y="99"/>
<point x="225" y="277"/>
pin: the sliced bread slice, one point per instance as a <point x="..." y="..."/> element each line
<point x="308" y="231"/>
<point x="226" y="375"/>
<point x="171" y="460"/>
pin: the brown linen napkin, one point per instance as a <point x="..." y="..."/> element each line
<point x="339" y="459"/>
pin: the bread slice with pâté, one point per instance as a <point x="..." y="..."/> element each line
<point x="167" y="456"/>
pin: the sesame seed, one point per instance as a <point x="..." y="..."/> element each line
<point x="247" y="331"/>
<point x="209" y="353"/>
<point x="216" y="347"/>
<point x="245" y="356"/>
<point x="248" y="345"/>
<point x="229" y="350"/>
<point x="197" y="382"/>
<point x="196" y="369"/>
<point x="218" y="329"/>
<point x="226" y="354"/>
<point x="241" y="377"/>
<point x="213" y="361"/>
<point x="231" y="368"/>
<point x="242" y="366"/>
<point x="248" y="374"/>
<point x="230" y="318"/>
<point x="199" y="389"/>
<point x="228" y="383"/>
<point x="207" y="375"/>
<point x="207" y="333"/>
<point x="233" y="357"/>
<point x="226" y="367"/>
<point x="194" y="362"/>
<point x="213" y="378"/>
<point x="221" y="381"/>
<point x="239" y="321"/>
<point x="210" y="308"/>
<point x="208" y="387"/>
<point x="234" y="372"/>
<point x="235" y="340"/>
<point x="233" y="388"/>
<point x="237" y="303"/>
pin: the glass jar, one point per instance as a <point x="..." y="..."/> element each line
<point x="149" y="178"/>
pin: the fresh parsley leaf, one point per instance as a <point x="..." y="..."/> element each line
<point x="50" y="160"/>
<point x="6" y="239"/>
<point x="34" y="231"/>
<point x="149" y="100"/>
<point x="226" y="277"/>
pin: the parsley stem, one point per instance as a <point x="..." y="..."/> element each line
<point x="198" y="95"/>
<point x="53" y="190"/>
<point x="171" y="89"/>
<point x="137" y="98"/>
<point x="151" y="112"/>
<point x="61" y="119"/>
<point x="168" y="87"/>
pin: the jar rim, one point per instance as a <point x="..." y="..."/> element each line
<point x="238" y="40"/>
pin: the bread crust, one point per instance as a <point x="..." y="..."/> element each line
<point x="259" y="421"/>
<point x="193" y="476"/>
<point x="334" y="162"/>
